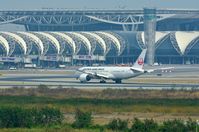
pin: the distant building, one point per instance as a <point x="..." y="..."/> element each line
<point x="96" y="47"/>
<point x="85" y="37"/>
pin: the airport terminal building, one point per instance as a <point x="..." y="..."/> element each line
<point x="54" y="38"/>
<point x="121" y="47"/>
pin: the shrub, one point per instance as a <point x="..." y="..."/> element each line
<point x="146" y="126"/>
<point x="191" y="125"/>
<point x="82" y="119"/>
<point x="42" y="88"/>
<point x="173" y="126"/>
<point x="14" y="117"/>
<point x="47" y="116"/>
<point x="150" y="125"/>
<point x="118" y="125"/>
<point x="20" y="117"/>
<point x="138" y="126"/>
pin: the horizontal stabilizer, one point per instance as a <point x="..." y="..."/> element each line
<point x="160" y="69"/>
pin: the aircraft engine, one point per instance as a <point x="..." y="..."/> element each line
<point x="84" y="77"/>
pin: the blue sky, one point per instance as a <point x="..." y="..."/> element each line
<point x="100" y="4"/>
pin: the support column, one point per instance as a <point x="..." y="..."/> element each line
<point x="149" y="33"/>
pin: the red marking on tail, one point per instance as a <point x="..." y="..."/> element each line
<point x="140" y="61"/>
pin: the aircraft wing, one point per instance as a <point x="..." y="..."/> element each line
<point x="104" y="75"/>
<point x="159" y="69"/>
<point x="89" y="73"/>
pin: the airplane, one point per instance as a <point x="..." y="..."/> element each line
<point x="115" y="73"/>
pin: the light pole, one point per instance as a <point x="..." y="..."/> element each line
<point x="197" y="125"/>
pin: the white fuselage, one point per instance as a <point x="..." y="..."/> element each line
<point x="113" y="72"/>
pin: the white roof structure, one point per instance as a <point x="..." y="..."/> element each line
<point x="99" y="39"/>
<point x="68" y="39"/>
<point x="53" y="40"/>
<point x="19" y="40"/>
<point x="35" y="39"/>
<point x="181" y="43"/>
<point x="113" y="38"/>
<point x="85" y="40"/>
<point x="5" y="44"/>
<point x="158" y="36"/>
<point x="183" y="39"/>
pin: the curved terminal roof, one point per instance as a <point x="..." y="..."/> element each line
<point x="183" y="39"/>
<point x="180" y="41"/>
<point x="113" y="38"/>
<point x="158" y="36"/>
<point x="99" y="39"/>
<point x="5" y="44"/>
<point x="54" y="41"/>
<point x="86" y="41"/>
<point x="68" y="39"/>
<point x="35" y="39"/>
<point x="19" y="39"/>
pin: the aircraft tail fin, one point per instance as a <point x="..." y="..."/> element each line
<point x="140" y="60"/>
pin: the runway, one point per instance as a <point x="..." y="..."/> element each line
<point x="184" y="77"/>
<point x="96" y="85"/>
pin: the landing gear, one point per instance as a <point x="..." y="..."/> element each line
<point x="102" y="81"/>
<point x="118" y="81"/>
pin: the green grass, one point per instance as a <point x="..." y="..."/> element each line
<point x="106" y="101"/>
<point x="60" y="128"/>
<point x="109" y="106"/>
<point x="105" y="105"/>
<point x="24" y="100"/>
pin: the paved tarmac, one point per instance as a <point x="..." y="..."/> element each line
<point x="181" y="77"/>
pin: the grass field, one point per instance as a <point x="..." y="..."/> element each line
<point x="101" y="106"/>
<point x="105" y="104"/>
<point x="63" y="128"/>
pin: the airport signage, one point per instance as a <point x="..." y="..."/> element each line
<point x="89" y="57"/>
<point x="67" y="59"/>
<point x="83" y="57"/>
<point x="10" y="59"/>
<point x="50" y="58"/>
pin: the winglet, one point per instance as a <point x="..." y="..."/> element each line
<point x="140" y="60"/>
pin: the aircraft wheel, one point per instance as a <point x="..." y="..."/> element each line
<point x="118" y="81"/>
<point x="102" y="81"/>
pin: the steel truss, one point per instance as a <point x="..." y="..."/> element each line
<point x="175" y="43"/>
<point x="191" y="45"/>
<point x="128" y="19"/>
<point x="78" y="43"/>
<point x="92" y="41"/>
<point x="12" y="43"/>
<point x="61" y="42"/>
<point x="45" y="41"/>
<point x="29" y="43"/>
